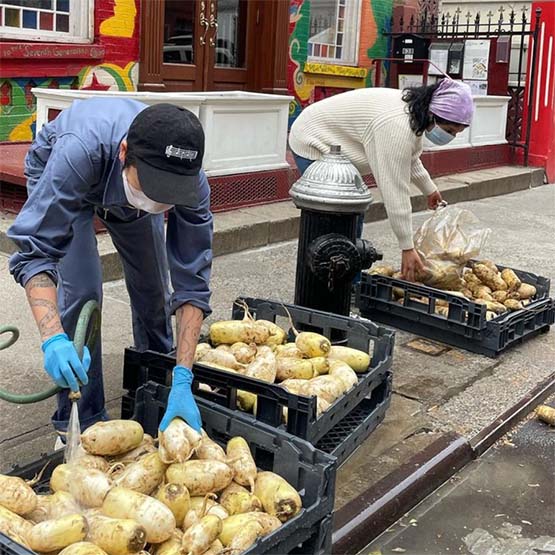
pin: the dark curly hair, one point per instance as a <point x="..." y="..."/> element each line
<point x="418" y="104"/>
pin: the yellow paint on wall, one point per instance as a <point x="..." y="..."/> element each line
<point x="122" y="23"/>
<point x="329" y="69"/>
<point x="23" y="131"/>
<point x="334" y="81"/>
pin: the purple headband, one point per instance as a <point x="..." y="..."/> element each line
<point x="452" y="100"/>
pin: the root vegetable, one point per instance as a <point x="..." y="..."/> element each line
<point x="210" y="450"/>
<point x="490" y="315"/>
<point x="546" y="413"/>
<point x="490" y="278"/>
<point x="293" y="368"/>
<point x="52" y="535"/>
<point x="278" y="497"/>
<point x="216" y="548"/>
<point x="277" y="336"/>
<point x="243" y="353"/>
<point x="246" y="401"/>
<point x="16" y="495"/>
<point x="201" y="349"/>
<point x="513" y="304"/>
<point x="245" y="538"/>
<point x="198" y="538"/>
<point x="489" y="264"/>
<point x="113" y="437"/>
<point x="297" y="387"/>
<point x="498" y="308"/>
<point x="53" y="506"/>
<point x="359" y="361"/>
<point x="13" y="523"/>
<point x="511" y="279"/>
<point x="82" y="548"/>
<point x="526" y="291"/>
<point x="144" y="475"/>
<point x="500" y="296"/>
<point x="116" y="536"/>
<point x="88" y="487"/>
<point x="382" y="270"/>
<point x="147" y="446"/>
<point x="482" y="292"/>
<point x="472" y="279"/>
<point x="243" y="465"/>
<point x="264" y="366"/>
<point x="178" y="442"/>
<point x="442" y="310"/>
<point x="238" y="331"/>
<point x="59" y="480"/>
<point x="176" y="497"/>
<point x="171" y="546"/>
<point x="151" y="514"/>
<point x="326" y="387"/>
<point x="312" y="344"/>
<point x="320" y="365"/>
<point x="221" y="358"/>
<point x="236" y="500"/>
<point x="321" y="406"/>
<point x="342" y="371"/>
<point x="95" y="462"/>
<point x="225" y="348"/>
<point x="289" y="350"/>
<point x="200" y="476"/>
<point x="234" y="524"/>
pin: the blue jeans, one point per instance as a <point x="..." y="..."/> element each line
<point x="141" y="245"/>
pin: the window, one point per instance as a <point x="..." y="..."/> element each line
<point x="333" y="31"/>
<point x="46" y="20"/>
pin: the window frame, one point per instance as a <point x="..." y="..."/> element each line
<point x="81" y="27"/>
<point x="350" y="50"/>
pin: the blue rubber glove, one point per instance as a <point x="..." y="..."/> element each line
<point x="181" y="403"/>
<point x="62" y="363"/>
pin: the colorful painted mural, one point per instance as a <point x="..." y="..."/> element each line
<point x="114" y="53"/>
<point x="309" y="81"/>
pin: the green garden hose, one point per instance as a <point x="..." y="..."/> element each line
<point x="86" y="333"/>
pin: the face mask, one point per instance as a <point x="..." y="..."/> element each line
<point x="139" y="200"/>
<point x="439" y="136"/>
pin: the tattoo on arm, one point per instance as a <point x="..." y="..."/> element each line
<point x="188" y="323"/>
<point x="41" y="294"/>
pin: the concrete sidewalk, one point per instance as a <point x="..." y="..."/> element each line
<point x="258" y="226"/>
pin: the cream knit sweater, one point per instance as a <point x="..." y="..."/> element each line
<point x="372" y="127"/>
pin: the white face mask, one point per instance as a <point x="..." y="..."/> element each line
<point x="139" y="200"/>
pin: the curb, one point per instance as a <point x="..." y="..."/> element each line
<point x="365" y="517"/>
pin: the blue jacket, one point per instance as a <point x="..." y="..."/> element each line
<point x="83" y="170"/>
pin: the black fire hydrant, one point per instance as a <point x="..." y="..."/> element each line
<point x="331" y="195"/>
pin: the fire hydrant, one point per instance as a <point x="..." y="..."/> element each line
<point x="331" y="195"/>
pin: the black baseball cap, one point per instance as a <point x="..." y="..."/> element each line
<point x="168" y="143"/>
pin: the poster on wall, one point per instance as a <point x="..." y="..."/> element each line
<point x="407" y="81"/>
<point x="476" y="57"/>
<point x="479" y="88"/>
<point x="439" y="53"/>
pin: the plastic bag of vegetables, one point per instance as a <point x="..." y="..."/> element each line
<point x="446" y="242"/>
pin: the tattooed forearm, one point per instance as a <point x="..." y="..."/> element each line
<point x="188" y="323"/>
<point x="41" y="294"/>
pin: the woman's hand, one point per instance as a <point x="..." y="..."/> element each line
<point x="411" y="265"/>
<point x="434" y="200"/>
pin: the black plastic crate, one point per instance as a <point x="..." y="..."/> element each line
<point x="272" y="398"/>
<point x="309" y="470"/>
<point x="465" y="326"/>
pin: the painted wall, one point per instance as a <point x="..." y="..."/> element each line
<point x="309" y="81"/>
<point x="115" y="54"/>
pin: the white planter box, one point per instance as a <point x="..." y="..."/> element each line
<point x="488" y="126"/>
<point x="245" y="132"/>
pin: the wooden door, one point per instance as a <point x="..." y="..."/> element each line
<point x="211" y="45"/>
<point x="185" y="33"/>
<point x="229" y="55"/>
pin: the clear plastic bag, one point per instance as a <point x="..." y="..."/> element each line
<point x="446" y="242"/>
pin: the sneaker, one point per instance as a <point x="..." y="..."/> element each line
<point x="59" y="444"/>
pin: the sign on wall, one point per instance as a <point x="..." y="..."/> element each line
<point x="476" y="59"/>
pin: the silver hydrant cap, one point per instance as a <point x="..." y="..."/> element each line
<point x="332" y="184"/>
